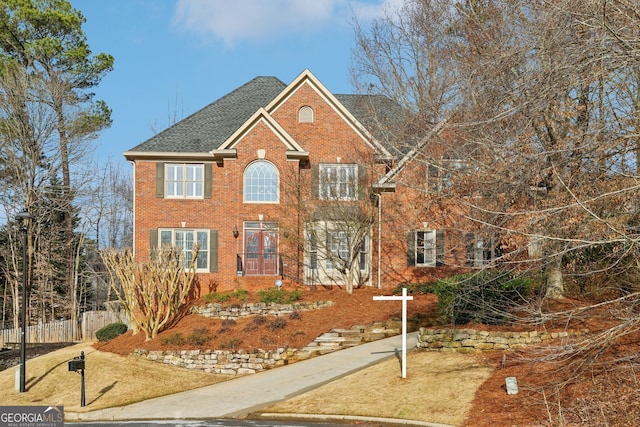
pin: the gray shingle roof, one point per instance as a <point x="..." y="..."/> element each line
<point x="209" y="127"/>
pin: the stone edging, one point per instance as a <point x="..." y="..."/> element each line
<point x="472" y="340"/>
<point x="220" y="361"/>
<point x="237" y="311"/>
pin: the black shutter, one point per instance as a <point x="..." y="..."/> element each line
<point x="313" y="252"/>
<point x="470" y="249"/>
<point x="208" y="180"/>
<point x="213" y="251"/>
<point x="315" y="182"/>
<point x="439" y="247"/>
<point x="363" y="189"/>
<point x="153" y="242"/>
<point x="159" y="179"/>
<point x="411" y="248"/>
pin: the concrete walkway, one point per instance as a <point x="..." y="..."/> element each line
<point x="250" y="393"/>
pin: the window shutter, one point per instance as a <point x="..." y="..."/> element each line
<point x="208" y="180"/>
<point x="159" y="179"/>
<point x="213" y="251"/>
<point x="315" y="182"/>
<point x="363" y="190"/>
<point x="439" y="247"/>
<point x="411" y="248"/>
<point x="313" y="252"/>
<point x="153" y="242"/>
<point x="470" y="249"/>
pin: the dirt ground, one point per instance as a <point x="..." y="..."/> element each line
<point x="604" y="389"/>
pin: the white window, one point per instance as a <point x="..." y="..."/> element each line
<point x="425" y="248"/>
<point x="440" y="176"/>
<point x="480" y="251"/>
<point x="184" y="180"/>
<point x="338" y="182"/>
<point x="261" y="183"/>
<point x="185" y="240"/>
<point x="338" y="246"/>
<point x="425" y="245"/>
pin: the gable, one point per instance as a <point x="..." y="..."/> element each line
<point x="307" y="80"/>
<point x="227" y="148"/>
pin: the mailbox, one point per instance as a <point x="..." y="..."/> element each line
<point x="76" y="365"/>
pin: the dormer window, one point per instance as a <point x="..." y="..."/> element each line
<point x="305" y="114"/>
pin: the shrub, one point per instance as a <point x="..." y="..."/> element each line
<point x="485" y="297"/>
<point x="173" y="339"/>
<point x="279" y="296"/>
<point x="217" y="297"/>
<point x="199" y="336"/>
<point x="277" y="323"/>
<point x="111" y="331"/>
<point x="241" y="294"/>
<point x="295" y="315"/>
<point x="259" y="320"/>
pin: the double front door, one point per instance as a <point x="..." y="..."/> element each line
<point x="261" y="248"/>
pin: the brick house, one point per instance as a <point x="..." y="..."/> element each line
<point x="285" y="182"/>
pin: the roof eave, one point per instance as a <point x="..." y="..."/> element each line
<point x="297" y="155"/>
<point x="224" y="153"/>
<point x="166" y="155"/>
<point x="387" y="187"/>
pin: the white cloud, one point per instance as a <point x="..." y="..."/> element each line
<point x="233" y="21"/>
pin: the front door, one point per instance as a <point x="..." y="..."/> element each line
<point x="261" y="248"/>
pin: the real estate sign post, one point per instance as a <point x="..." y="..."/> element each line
<point x="404" y="298"/>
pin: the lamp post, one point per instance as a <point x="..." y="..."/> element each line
<point x="23" y="217"/>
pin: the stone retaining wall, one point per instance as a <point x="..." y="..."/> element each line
<point x="471" y="340"/>
<point x="237" y="311"/>
<point x="220" y="361"/>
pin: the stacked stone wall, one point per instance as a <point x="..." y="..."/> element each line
<point x="237" y="311"/>
<point x="221" y="361"/>
<point x="472" y="340"/>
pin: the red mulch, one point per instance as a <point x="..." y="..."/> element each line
<point x="605" y="393"/>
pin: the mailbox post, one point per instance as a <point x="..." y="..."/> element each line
<point x="75" y="365"/>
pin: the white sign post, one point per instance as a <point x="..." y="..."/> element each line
<point x="404" y="298"/>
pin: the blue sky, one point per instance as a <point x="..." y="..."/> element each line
<point x="173" y="57"/>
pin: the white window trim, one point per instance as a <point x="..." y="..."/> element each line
<point x="202" y="253"/>
<point x="244" y="185"/>
<point x="184" y="182"/>
<point x="440" y="175"/>
<point x="323" y="185"/>
<point x="432" y="249"/>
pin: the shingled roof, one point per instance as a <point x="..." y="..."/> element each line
<point x="207" y="129"/>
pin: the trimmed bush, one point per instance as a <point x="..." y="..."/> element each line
<point x="279" y="296"/>
<point x="483" y="297"/>
<point x="111" y="331"/>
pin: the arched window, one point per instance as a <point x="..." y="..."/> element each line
<point x="305" y="114"/>
<point x="261" y="182"/>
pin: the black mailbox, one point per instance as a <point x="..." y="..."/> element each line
<point x="76" y="365"/>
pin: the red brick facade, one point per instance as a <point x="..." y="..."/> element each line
<point x="275" y="135"/>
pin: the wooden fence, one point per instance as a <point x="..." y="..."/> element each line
<point x="63" y="330"/>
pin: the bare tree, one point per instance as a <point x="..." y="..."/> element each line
<point x="154" y="293"/>
<point x="541" y="111"/>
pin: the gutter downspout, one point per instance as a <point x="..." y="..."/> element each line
<point x="379" y="236"/>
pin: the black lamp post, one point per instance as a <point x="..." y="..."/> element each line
<point x="23" y="217"/>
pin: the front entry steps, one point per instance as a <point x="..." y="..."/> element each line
<point x="338" y="339"/>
